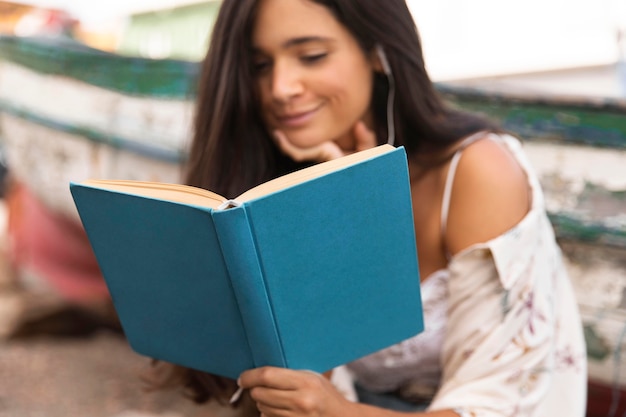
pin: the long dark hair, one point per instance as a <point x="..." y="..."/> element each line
<point x="231" y="149"/>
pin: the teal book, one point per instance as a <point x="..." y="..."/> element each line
<point x="308" y="271"/>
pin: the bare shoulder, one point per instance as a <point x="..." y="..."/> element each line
<point x="490" y="195"/>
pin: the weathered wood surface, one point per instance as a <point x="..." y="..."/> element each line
<point x="68" y="112"/>
<point x="584" y="106"/>
<point x="152" y="125"/>
<point x="47" y="159"/>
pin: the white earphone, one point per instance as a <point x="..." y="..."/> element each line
<point x="392" y="90"/>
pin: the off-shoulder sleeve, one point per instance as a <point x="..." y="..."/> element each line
<point x="514" y="344"/>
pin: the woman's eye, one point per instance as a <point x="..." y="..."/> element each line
<point x="260" y="67"/>
<point x="313" y="58"/>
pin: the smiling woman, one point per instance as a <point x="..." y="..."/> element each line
<point x="310" y="82"/>
<point x="289" y="83"/>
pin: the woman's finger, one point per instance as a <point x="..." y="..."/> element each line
<point x="270" y="412"/>
<point x="364" y="138"/>
<point x="273" y="398"/>
<point x="323" y="152"/>
<point x="270" y="377"/>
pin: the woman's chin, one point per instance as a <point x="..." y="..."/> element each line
<point x="308" y="140"/>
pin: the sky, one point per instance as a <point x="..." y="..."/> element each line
<point x="489" y="37"/>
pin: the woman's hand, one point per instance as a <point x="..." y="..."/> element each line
<point x="363" y="138"/>
<point x="282" y="392"/>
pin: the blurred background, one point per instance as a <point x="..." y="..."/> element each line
<point x="106" y="89"/>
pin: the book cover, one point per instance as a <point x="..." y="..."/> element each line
<point x="308" y="276"/>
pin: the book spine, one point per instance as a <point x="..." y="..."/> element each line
<point x="241" y="257"/>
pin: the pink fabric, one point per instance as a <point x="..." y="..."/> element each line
<point x="53" y="248"/>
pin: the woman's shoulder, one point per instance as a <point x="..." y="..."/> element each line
<point x="490" y="194"/>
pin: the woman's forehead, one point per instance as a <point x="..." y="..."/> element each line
<point x="283" y="23"/>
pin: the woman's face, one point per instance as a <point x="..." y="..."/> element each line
<point x="314" y="81"/>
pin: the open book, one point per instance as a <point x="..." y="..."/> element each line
<point x="308" y="271"/>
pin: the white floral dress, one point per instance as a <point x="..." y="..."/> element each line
<point x="509" y="341"/>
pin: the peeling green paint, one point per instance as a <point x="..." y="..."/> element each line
<point x="597" y="348"/>
<point x="599" y="217"/>
<point x="166" y="78"/>
<point x="608" y="206"/>
<point x="598" y="123"/>
<point x="571" y="227"/>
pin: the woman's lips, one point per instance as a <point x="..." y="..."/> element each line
<point x="296" y="119"/>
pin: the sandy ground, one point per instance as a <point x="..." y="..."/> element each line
<point x="87" y="376"/>
<point x="98" y="376"/>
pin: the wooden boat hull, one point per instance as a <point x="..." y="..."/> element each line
<point x="65" y="121"/>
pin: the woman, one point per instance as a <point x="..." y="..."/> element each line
<point x="294" y="82"/>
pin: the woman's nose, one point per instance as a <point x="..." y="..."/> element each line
<point x="286" y="82"/>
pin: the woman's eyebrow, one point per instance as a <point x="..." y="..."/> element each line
<point x="290" y="43"/>
<point x="305" y="39"/>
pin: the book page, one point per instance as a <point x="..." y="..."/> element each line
<point x="180" y="193"/>
<point x="312" y="172"/>
<point x="187" y="194"/>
